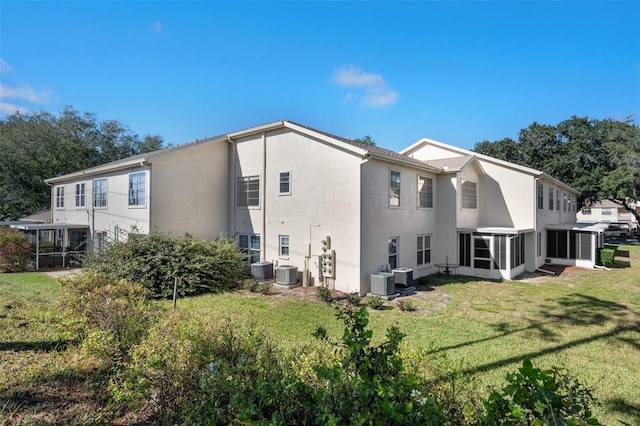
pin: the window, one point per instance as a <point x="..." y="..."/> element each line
<point x="540" y="196"/>
<point x="586" y="211"/>
<point x="606" y="212"/>
<point x="100" y="193"/>
<point x="564" y="202"/>
<point x="557" y="244"/>
<point x="517" y="251"/>
<point x="285" y="183"/>
<point x="80" y="194"/>
<point x="248" y="191"/>
<point x="284" y="246"/>
<point x="137" y="189"/>
<point x="250" y="245"/>
<point x="469" y="195"/>
<point x="557" y="200"/>
<point x="464" y="248"/>
<point x="482" y="252"/>
<point x="550" y="198"/>
<point x="579" y="245"/>
<point x="393" y="252"/>
<point x="500" y="251"/>
<point x="100" y="241"/>
<point x="394" y="188"/>
<point x="425" y="192"/>
<point x="424" y="250"/>
<point x="539" y="244"/>
<point x="59" y="197"/>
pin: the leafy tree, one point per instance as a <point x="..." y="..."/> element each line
<point x="600" y="158"/>
<point x="367" y="140"/>
<point x="39" y="145"/>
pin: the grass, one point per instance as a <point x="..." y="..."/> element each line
<point x="585" y="321"/>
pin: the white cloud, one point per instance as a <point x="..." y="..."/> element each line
<point x="376" y="92"/>
<point x="8" y="109"/>
<point x="4" y="66"/>
<point x="24" y="92"/>
<point x="157" y="27"/>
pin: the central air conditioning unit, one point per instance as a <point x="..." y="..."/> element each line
<point x="262" y="271"/>
<point x="403" y="277"/>
<point x="287" y="274"/>
<point x="383" y="284"/>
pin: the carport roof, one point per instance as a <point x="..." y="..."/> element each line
<point x="586" y="227"/>
<point x="30" y="226"/>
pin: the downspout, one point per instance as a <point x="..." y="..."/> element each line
<point x="263" y="239"/>
<point x="231" y="225"/>
<point x="144" y="164"/>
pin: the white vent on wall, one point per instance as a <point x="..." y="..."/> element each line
<point x="287" y="274"/>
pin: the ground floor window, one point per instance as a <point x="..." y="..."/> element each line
<point x="424" y="250"/>
<point x="284" y="246"/>
<point x="557" y="244"/>
<point x="517" y="251"/>
<point x="500" y="251"/>
<point x="250" y="244"/>
<point x="464" y="249"/>
<point x="100" y="240"/>
<point x="563" y="244"/>
<point x="539" y="243"/>
<point x="393" y="252"/>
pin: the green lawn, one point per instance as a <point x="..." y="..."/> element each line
<point x="586" y="321"/>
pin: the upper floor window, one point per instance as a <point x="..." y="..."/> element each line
<point x="425" y="192"/>
<point x="550" y="198"/>
<point x="424" y="250"/>
<point x="564" y="202"/>
<point x="137" y="189"/>
<point x="469" y="195"/>
<point x="80" y="187"/>
<point x="394" y="188"/>
<point x="248" y="191"/>
<point x="557" y="200"/>
<point x="285" y="183"/>
<point x="284" y="246"/>
<point x="586" y="211"/>
<point x="100" y="192"/>
<point x="540" y="196"/>
<point x="59" y="197"/>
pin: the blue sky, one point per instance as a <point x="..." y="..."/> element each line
<point x="458" y="72"/>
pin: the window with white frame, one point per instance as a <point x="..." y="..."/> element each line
<point x="540" y="195"/>
<point x="285" y="183"/>
<point x="606" y="211"/>
<point x="248" y="191"/>
<point x="564" y="202"/>
<point x="393" y="252"/>
<point x="59" y="197"/>
<point x="137" y="189"/>
<point x="284" y="246"/>
<point x="424" y="250"/>
<point x="100" y="240"/>
<point x="394" y="188"/>
<point x="550" y="198"/>
<point x="100" y="193"/>
<point x="557" y="200"/>
<point x="250" y="245"/>
<point x="425" y="192"/>
<point x="469" y="195"/>
<point x="80" y="187"/>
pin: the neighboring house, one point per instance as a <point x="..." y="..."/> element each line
<point x="281" y="189"/>
<point x="605" y="211"/>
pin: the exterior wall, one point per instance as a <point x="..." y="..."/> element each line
<point x="617" y="215"/>
<point x="470" y="218"/>
<point x="380" y="221"/>
<point x="446" y="219"/>
<point x="117" y="219"/>
<point x="325" y="191"/>
<point x="433" y="152"/>
<point x="189" y="190"/>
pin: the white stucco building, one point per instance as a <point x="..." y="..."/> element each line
<point x="281" y="189"/>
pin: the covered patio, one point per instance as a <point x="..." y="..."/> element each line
<point x="54" y="244"/>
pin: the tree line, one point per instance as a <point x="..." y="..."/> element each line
<point x="599" y="158"/>
<point x="38" y="145"/>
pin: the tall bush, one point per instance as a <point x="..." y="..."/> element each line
<point x="15" y="250"/>
<point x="155" y="261"/>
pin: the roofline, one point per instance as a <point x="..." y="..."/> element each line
<point x="517" y="167"/>
<point x="109" y="167"/>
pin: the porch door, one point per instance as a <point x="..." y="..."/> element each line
<point x="482" y="255"/>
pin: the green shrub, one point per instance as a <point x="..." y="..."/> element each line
<point x="406" y="305"/>
<point x="375" y="302"/>
<point x="15" y="250"/>
<point x="324" y="293"/>
<point x="606" y="256"/>
<point x="379" y="389"/>
<point x="155" y="261"/>
<point x="264" y="288"/>
<point x="110" y="315"/>
<point x="353" y="299"/>
<point x="250" y="284"/>
<point x="533" y="397"/>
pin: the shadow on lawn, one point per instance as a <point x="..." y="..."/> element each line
<point x="621" y="406"/>
<point x="38" y="346"/>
